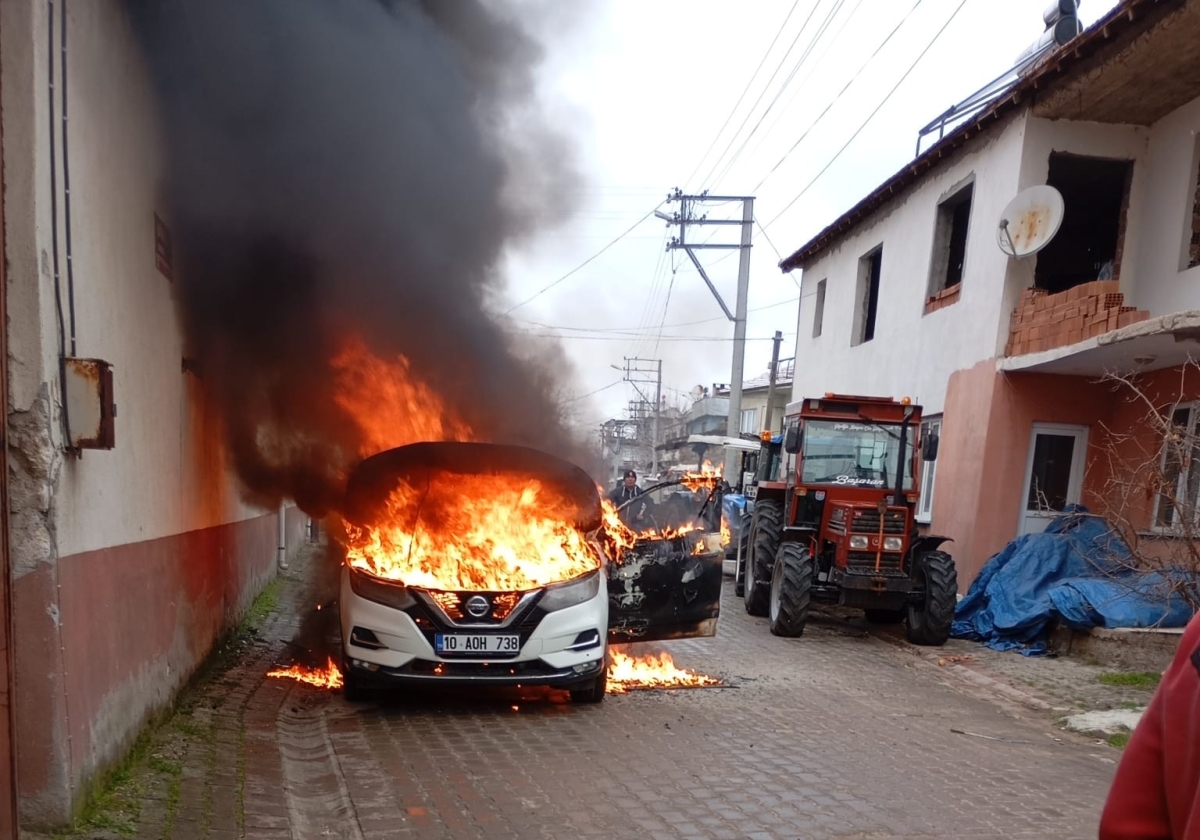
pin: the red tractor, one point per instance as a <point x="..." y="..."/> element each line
<point x="834" y="520"/>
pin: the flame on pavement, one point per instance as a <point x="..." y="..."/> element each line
<point x="628" y="673"/>
<point x="328" y="677"/>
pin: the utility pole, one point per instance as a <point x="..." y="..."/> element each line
<point x="641" y="373"/>
<point x="776" y="341"/>
<point x="687" y="217"/>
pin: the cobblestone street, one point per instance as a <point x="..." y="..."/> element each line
<point x="834" y="735"/>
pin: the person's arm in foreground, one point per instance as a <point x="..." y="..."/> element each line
<point x="1138" y="805"/>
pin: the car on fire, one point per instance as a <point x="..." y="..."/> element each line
<point x="484" y="564"/>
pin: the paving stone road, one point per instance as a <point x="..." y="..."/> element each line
<point x="834" y="735"/>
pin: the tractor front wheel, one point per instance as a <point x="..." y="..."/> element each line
<point x="791" y="590"/>
<point x="767" y="527"/>
<point x="739" y="574"/>
<point x="928" y="621"/>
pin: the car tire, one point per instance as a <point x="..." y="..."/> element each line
<point x="884" y="616"/>
<point x="353" y="688"/>
<point x="791" y="590"/>
<point x="593" y="691"/>
<point x="767" y="525"/>
<point x="928" y="622"/>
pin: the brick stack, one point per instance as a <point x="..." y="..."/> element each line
<point x="1042" y="321"/>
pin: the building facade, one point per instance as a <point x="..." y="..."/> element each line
<point x="1014" y="359"/>
<point x="131" y="552"/>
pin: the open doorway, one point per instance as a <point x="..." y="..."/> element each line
<point x="1088" y="245"/>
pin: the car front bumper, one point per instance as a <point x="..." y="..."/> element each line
<point x="560" y="648"/>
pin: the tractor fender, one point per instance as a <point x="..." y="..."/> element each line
<point x="926" y="543"/>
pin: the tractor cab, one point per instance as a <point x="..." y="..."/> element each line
<point x="835" y="519"/>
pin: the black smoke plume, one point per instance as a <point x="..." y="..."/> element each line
<point x="350" y="167"/>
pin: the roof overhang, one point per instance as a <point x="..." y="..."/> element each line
<point x="1164" y="342"/>
<point x="1086" y="55"/>
<point x="728" y="442"/>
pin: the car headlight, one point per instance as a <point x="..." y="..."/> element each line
<point x="391" y="594"/>
<point x="893" y="543"/>
<point x="563" y="595"/>
<point x="858" y="542"/>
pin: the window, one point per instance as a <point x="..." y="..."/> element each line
<point x="750" y="421"/>
<point x="855" y="454"/>
<point x="1087" y="246"/>
<point x="1191" y="234"/>
<point x="819" y="310"/>
<point x="950" y="241"/>
<point x="870" y="268"/>
<point x="929" y="426"/>
<point x="1180" y="491"/>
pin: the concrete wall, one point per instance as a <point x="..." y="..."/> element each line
<point x="128" y="563"/>
<point x="913" y="354"/>
<point x="1157" y="279"/>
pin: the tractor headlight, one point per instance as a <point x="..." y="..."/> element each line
<point x="893" y="543"/>
<point x="858" y="543"/>
<point x="563" y="595"/>
<point x="390" y="594"/>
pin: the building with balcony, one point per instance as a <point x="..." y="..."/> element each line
<point x="1013" y="359"/>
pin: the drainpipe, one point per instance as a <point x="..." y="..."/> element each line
<point x="281" y="557"/>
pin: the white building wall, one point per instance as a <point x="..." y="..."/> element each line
<point x="1157" y="279"/>
<point x="165" y="475"/>
<point x="913" y="354"/>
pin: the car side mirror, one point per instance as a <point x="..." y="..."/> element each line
<point x="929" y="447"/>
<point x="791" y="440"/>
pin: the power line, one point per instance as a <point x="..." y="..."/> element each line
<point x="837" y="7"/>
<point x="742" y="97"/>
<point x="870" y="116"/>
<point x="672" y="338"/>
<point x="854" y="78"/>
<point x="585" y="262"/>
<point x="761" y="93"/>
<point x="593" y="393"/>
<point x="634" y="330"/>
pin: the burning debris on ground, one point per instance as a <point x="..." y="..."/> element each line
<point x="652" y="671"/>
<point x="328" y="676"/>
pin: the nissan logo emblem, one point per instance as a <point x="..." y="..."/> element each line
<point x="478" y="606"/>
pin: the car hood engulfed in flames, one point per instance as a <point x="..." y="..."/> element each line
<point x="471" y="517"/>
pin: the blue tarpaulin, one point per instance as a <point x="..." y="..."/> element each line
<point x="1076" y="572"/>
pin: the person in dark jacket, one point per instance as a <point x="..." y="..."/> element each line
<point x="1156" y="792"/>
<point x="626" y="490"/>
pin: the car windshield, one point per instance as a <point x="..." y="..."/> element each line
<point x="855" y="454"/>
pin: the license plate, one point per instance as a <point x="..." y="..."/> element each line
<point x="475" y="643"/>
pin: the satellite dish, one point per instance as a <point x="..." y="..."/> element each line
<point x="1030" y="221"/>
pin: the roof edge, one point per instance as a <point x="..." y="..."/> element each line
<point x="1052" y="70"/>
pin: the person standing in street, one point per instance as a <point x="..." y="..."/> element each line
<point x="626" y="490"/>
<point x="1156" y="792"/>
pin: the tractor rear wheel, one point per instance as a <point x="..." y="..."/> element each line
<point x="767" y="526"/>
<point x="928" y="622"/>
<point x="791" y="590"/>
<point x="739" y="574"/>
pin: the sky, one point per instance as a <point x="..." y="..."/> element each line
<point x="730" y="98"/>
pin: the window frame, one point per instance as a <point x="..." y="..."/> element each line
<point x="924" y="511"/>
<point x="943" y="235"/>
<point x="753" y="413"/>
<point x="1184" y="477"/>
<point x="819" y="308"/>
<point x="866" y="305"/>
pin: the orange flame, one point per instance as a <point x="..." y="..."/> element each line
<point x="707" y="477"/>
<point x="473" y="533"/>
<point x="618" y="537"/>
<point x="391" y="406"/>
<point x="726" y="536"/>
<point x="626" y="673"/>
<point x="328" y="677"/>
